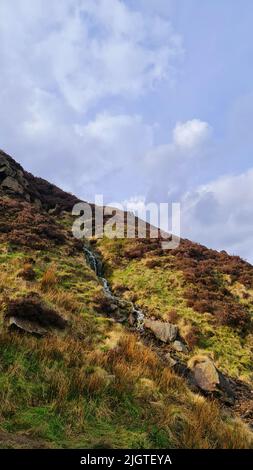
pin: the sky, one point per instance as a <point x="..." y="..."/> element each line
<point x="139" y="100"/>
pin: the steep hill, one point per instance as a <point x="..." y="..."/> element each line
<point x="125" y="345"/>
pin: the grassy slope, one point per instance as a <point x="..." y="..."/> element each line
<point x="86" y="386"/>
<point x="159" y="289"/>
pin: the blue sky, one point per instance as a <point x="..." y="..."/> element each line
<point x="140" y="100"/>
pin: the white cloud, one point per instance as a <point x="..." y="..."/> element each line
<point x="85" y="50"/>
<point x="220" y="214"/>
<point x="114" y="146"/>
<point x="108" y="128"/>
<point x="104" y="155"/>
<point x="172" y="168"/>
<point x="61" y="67"/>
<point x="191" y="134"/>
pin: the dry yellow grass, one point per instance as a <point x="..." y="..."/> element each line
<point x="66" y="300"/>
<point x="49" y="279"/>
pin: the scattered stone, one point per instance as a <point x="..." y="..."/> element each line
<point x="170" y="361"/>
<point x="165" y="332"/>
<point x="179" y="347"/>
<point x="205" y="373"/>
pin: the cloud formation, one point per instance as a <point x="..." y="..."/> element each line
<point x="191" y="134"/>
<point x="138" y="101"/>
<point x="86" y="51"/>
<point x="223" y="212"/>
<point x="61" y="65"/>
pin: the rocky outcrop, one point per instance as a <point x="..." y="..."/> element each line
<point x="165" y="332"/>
<point x="12" y="178"/>
<point x="15" y="181"/>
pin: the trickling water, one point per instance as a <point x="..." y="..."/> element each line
<point x="106" y="287"/>
<point x="96" y="265"/>
<point x="92" y="261"/>
<point x="140" y="317"/>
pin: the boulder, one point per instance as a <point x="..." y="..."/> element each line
<point x="32" y="314"/>
<point x="179" y="347"/>
<point x="33" y="328"/>
<point x="205" y="373"/>
<point x="165" y="332"/>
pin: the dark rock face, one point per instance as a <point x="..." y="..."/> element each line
<point x="12" y="178"/>
<point x="15" y="181"/>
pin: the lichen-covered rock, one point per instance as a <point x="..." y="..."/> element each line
<point x="165" y="332"/>
<point x="205" y="373"/>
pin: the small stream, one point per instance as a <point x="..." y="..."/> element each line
<point x="97" y="266"/>
<point x="137" y="322"/>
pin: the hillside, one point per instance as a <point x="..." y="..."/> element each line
<point x="160" y="357"/>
